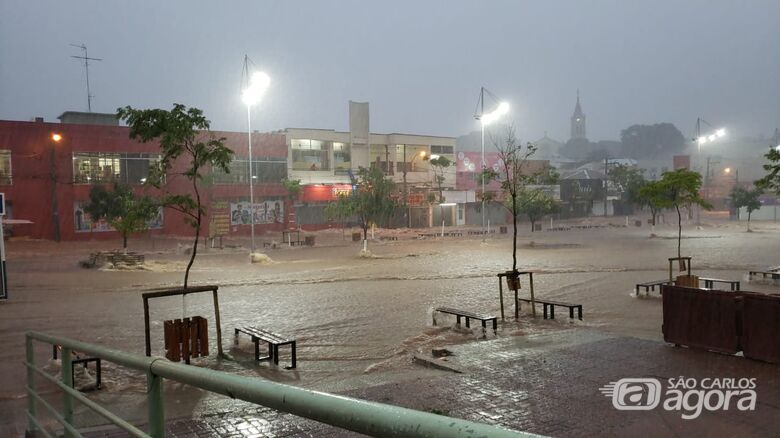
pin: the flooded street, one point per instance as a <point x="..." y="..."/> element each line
<point x="356" y="320"/>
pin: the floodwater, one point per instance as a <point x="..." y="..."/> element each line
<point x="357" y="319"/>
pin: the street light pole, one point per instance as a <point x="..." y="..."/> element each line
<point x="486" y="119"/>
<point x="251" y="95"/>
<point x="251" y="182"/>
<point x="484" y="164"/>
<point x="55" y="208"/>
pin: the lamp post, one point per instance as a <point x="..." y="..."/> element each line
<point x="700" y="140"/>
<point x="251" y="95"/>
<point x="486" y="119"/>
<point x="55" y="208"/>
<point x="422" y="155"/>
<point x="441" y="213"/>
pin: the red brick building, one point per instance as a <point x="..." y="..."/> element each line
<point x="48" y="182"/>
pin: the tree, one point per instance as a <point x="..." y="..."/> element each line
<point x="647" y="141"/>
<point x="439" y="166"/>
<point x="293" y="187"/>
<point x="513" y="157"/>
<point x="370" y="202"/>
<point x="182" y="133"/>
<point x="741" y="197"/>
<point x="680" y="188"/>
<point x="772" y="179"/>
<point x="122" y="210"/>
<point x="536" y="204"/>
<point x="628" y="180"/>
<point x="651" y="194"/>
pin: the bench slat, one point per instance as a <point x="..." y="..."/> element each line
<point x="264" y="335"/>
<point x="464" y="313"/>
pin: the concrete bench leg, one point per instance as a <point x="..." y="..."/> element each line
<point x="468" y="322"/>
<point x="495" y="326"/>
<point x="579" y="312"/>
<point x="571" y="312"/>
<point x="276" y="354"/>
<point x="235" y="337"/>
<point x="292" y="346"/>
<point x="552" y="311"/>
<point x="544" y="306"/>
<point x="484" y="328"/>
<point x="457" y="320"/>
<point x="257" y="348"/>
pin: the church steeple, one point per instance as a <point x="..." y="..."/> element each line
<point x="578" y="120"/>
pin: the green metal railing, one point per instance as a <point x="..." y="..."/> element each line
<point x="375" y="419"/>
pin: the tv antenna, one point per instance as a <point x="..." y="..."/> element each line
<point x="86" y="59"/>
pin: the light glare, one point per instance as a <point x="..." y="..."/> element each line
<point x="258" y="83"/>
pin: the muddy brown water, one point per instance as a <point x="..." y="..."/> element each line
<point x="357" y="320"/>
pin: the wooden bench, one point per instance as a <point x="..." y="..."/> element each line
<point x="774" y="274"/>
<point x="80" y="360"/>
<point x="469" y="316"/>
<point x="651" y="285"/>
<point x="273" y="340"/>
<point x="548" y="307"/>
<point x="710" y="283"/>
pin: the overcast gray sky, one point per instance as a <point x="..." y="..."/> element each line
<point x="419" y="63"/>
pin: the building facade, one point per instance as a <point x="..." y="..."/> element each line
<point x="48" y="182"/>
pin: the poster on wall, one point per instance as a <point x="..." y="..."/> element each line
<point x="267" y="212"/>
<point x="83" y="223"/>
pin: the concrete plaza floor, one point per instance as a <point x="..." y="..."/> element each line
<point x="546" y="384"/>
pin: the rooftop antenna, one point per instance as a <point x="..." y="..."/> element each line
<point x="86" y="59"/>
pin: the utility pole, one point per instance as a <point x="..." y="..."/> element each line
<point x="606" y="183"/>
<point x="86" y="59"/>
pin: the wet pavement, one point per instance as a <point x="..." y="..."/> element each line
<point x="546" y="384"/>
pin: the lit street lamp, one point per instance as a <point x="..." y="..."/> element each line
<point x="251" y="95"/>
<point x="486" y="119"/>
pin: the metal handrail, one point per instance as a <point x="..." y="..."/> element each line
<point x="370" y="418"/>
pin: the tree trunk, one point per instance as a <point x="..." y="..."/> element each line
<point x="124" y="241"/>
<point x="679" y="230"/>
<point x="748" y="224"/>
<point x="532" y="225"/>
<point x="197" y="235"/>
<point x="514" y="234"/>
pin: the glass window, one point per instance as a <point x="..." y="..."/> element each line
<point x="380" y="156"/>
<point x="5" y="167"/>
<point x="442" y="150"/>
<point x="342" y="159"/>
<point x="103" y="168"/>
<point x="412" y="158"/>
<point x="310" y="154"/>
<point x="264" y="170"/>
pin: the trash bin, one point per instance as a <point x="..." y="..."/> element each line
<point x="502" y="229"/>
<point x="309" y="240"/>
<point x="537" y="227"/>
<point x="356" y="237"/>
<point x="638" y="223"/>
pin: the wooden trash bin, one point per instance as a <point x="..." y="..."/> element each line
<point x="687" y="281"/>
<point x="356" y="237"/>
<point x="185" y="339"/>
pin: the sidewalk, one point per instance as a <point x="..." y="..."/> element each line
<point x="546" y="384"/>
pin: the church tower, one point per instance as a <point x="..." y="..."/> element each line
<point x="578" y="121"/>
